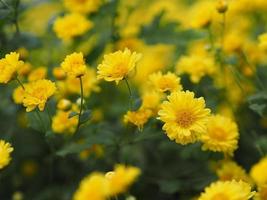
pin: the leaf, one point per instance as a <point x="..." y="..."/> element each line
<point x="85" y="116"/>
<point x="258" y="102"/>
<point x="73" y="114"/>
<point x="137" y="104"/>
<point x="258" y="108"/>
<point x="38" y="121"/>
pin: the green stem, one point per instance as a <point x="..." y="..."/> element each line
<point x="130" y="93"/>
<point x="40" y="119"/>
<point x="20" y="83"/>
<point x="81" y="106"/>
<point x="211" y="38"/>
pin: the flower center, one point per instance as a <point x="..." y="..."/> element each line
<point x="220" y="196"/>
<point x="120" y="70"/>
<point x="218" y="134"/>
<point x="185" y="118"/>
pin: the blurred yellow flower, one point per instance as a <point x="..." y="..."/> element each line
<point x="221" y="136"/>
<point x="37" y="74"/>
<point x="263" y="41"/>
<point x="9" y="66"/>
<point x="59" y="73"/>
<point x="18" y="95"/>
<point x="121" y="178"/>
<point x="197" y="66"/>
<point x="82" y="6"/>
<point x="61" y="123"/>
<point x="116" y="66"/>
<point x="25" y="69"/>
<point x="64" y="104"/>
<point x="165" y="82"/>
<point x="94" y="187"/>
<point x="37" y="93"/>
<point x="71" y="25"/>
<point x="258" y="172"/>
<point x="228" y="190"/>
<point x="185" y="117"/>
<point x="5" y="151"/>
<point x="74" y="65"/>
<point x="138" y="118"/>
<point x="151" y="100"/>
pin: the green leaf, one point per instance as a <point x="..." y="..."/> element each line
<point x="258" y="102"/>
<point x="258" y="108"/>
<point x="85" y="116"/>
<point x="73" y="114"/>
<point x="38" y="121"/>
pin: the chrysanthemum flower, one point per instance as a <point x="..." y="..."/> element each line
<point x="82" y="6"/>
<point x="18" y="95"/>
<point x="5" y="150"/>
<point x="121" y="178"/>
<point x="37" y="93"/>
<point x="94" y="187"/>
<point x="71" y="25"/>
<point x="185" y="117"/>
<point x="59" y="73"/>
<point x="74" y="65"/>
<point x="230" y="170"/>
<point x="258" y="172"/>
<point x="221" y="136"/>
<point x="61" y="123"/>
<point x="9" y="66"/>
<point x="138" y="118"/>
<point x="165" y="82"/>
<point x="151" y="100"/>
<point x="197" y="66"/>
<point x="116" y="66"/>
<point x="228" y="190"/>
<point x="37" y="74"/>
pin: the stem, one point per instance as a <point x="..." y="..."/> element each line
<point x="49" y="114"/>
<point x="20" y="83"/>
<point x="223" y="29"/>
<point x="130" y="93"/>
<point x="40" y="119"/>
<point x="211" y="38"/>
<point x="81" y="107"/>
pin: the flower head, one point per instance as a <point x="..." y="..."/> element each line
<point x="5" y="150"/>
<point x="259" y="173"/>
<point x="74" y="65"/>
<point x="9" y="66"/>
<point x="222" y="135"/>
<point x="37" y="74"/>
<point x="228" y="190"/>
<point x="116" y="66"/>
<point x="167" y="82"/>
<point x="37" y="93"/>
<point x="138" y="118"/>
<point x="71" y="25"/>
<point x="18" y="95"/>
<point x="185" y="117"/>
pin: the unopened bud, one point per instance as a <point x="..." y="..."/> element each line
<point x="222" y="6"/>
<point x="64" y="104"/>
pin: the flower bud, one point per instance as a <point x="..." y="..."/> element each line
<point x="222" y="6"/>
<point x="64" y="104"/>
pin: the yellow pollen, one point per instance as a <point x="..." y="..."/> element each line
<point x="185" y="119"/>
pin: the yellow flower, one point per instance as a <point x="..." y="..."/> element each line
<point x="61" y="123"/>
<point x="74" y="65"/>
<point x="121" y="178"/>
<point x="167" y="82"/>
<point x="37" y="74"/>
<point x="151" y="100"/>
<point x="90" y="83"/>
<point x="37" y="93"/>
<point x="138" y="118"/>
<point x="222" y="135"/>
<point x="263" y="41"/>
<point x="197" y="66"/>
<point x="9" y="66"/>
<point x="93" y="187"/>
<point x="82" y="6"/>
<point x="71" y="25"/>
<point x="18" y="95"/>
<point x="258" y="172"/>
<point x="25" y="69"/>
<point x="230" y="170"/>
<point x="228" y="190"/>
<point x="64" y="104"/>
<point x="5" y="150"/>
<point x="116" y="66"/>
<point x="59" y="73"/>
<point x="185" y="117"/>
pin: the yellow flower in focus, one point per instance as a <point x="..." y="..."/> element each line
<point x="90" y="83"/>
<point x="230" y="170"/>
<point x="228" y="190"/>
<point x="167" y="82"/>
<point x="74" y="65"/>
<point x="221" y="136"/>
<point x="61" y="123"/>
<point x="93" y="187"/>
<point x="197" y="66"/>
<point x="37" y="93"/>
<point x="71" y="25"/>
<point x="263" y="41"/>
<point x="9" y="66"/>
<point x="82" y="6"/>
<point x="5" y="150"/>
<point x="121" y="178"/>
<point x="59" y="73"/>
<point x="185" y="117"/>
<point x="116" y="66"/>
<point x="18" y="95"/>
<point x="37" y="74"/>
<point x="138" y="118"/>
<point x="258" y="172"/>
